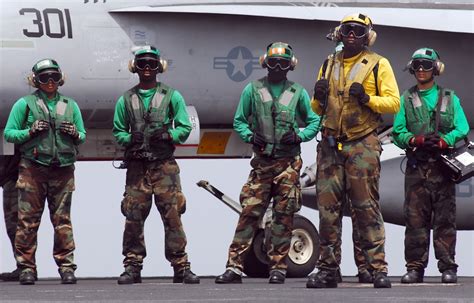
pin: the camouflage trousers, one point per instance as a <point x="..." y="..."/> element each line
<point x="359" y="255"/>
<point x="161" y="180"/>
<point x="36" y="183"/>
<point x="353" y="171"/>
<point x="269" y="178"/>
<point x="10" y="210"/>
<point x="430" y="202"/>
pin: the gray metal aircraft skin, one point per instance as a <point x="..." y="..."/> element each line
<point x="213" y="49"/>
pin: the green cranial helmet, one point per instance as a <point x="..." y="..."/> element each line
<point x="425" y="53"/>
<point x="280" y="49"/>
<point x="45" y="64"/>
<point x="147" y="49"/>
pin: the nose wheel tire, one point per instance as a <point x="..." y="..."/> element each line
<point x="302" y="257"/>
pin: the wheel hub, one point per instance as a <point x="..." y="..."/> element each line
<point x="301" y="248"/>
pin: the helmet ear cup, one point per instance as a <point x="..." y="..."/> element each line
<point x="294" y="62"/>
<point x="262" y="60"/>
<point x="32" y="80"/>
<point x="163" y="66"/>
<point x="63" y="79"/>
<point x="371" y="37"/>
<point x="410" y="68"/>
<point x="438" y="67"/>
<point x="131" y="66"/>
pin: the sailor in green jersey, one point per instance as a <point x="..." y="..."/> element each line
<point x="430" y="200"/>
<point x="267" y="118"/>
<point x="143" y="123"/>
<point x="48" y="127"/>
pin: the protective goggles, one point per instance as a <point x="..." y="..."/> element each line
<point x="284" y="64"/>
<point x="358" y="30"/>
<point x="44" y="78"/>
<point x="425" y="65"/>
<point x="142" y="63"/>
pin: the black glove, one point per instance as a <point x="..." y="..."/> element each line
<point x="161" y="135"/>
<point x="38" y="126"/>
<point x="258" y="140"/>
<point x="357" y="90"/>
<point x="290" y="137"/>
<point x="137" y="137"/>
<point x="321" y="89"/>
<point x="435" y="142"/>
<point x="69" y="128"/>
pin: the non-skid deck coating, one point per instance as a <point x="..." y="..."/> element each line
<point x="251" y="290"/>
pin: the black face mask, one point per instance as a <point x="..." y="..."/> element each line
<point x="276" y="75"/>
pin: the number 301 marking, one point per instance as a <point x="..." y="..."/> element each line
<point x="48" y="15"/>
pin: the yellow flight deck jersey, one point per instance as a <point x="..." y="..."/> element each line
<point x="345" y="117"/>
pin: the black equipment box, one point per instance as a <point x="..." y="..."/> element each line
<point x="459" y="163"/>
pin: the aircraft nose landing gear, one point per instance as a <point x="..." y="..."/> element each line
<point x="304" y="247"/>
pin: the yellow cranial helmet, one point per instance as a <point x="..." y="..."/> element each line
<point x="357" y="17"/>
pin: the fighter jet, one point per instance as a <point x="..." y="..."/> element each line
<point x="212" y="48"/>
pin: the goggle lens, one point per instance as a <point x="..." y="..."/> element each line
<point x="150" y="62"/>
<point x="357" y="30"/>
<point x="43" y="78"/>
<point x="283" y="63"/>
<point x="425" y="65"/>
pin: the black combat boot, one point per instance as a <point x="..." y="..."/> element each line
<point x="229" y="277"/>
<point x="185" y="275"/>
<point x="339" y="275"/>
<point x="413" y="276"/>
<point x="68" y="277"/>
<point x="27" y="277"/>
<point x="276" y="277"/>
<point x="365" y="276"/>
<point x="322" y="279"/>
<point x="449" y="276"/>
<point x="381" y="280"/>
<point x="131" y="275"/>
<point x="11" y="276"/>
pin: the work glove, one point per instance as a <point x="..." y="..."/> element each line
<point x="137" y="137"/>
<point x="38" y="126"/>
<point x="258" y="140"/>
<point x="290" y="137"/>
<point x="417" y="141"/>
<point x="69" y="128"/>
<point x="321" y="89"/>
<point x="161" y="135"/>
<point x="357" y="91"/>
<point x="434" y="141"/>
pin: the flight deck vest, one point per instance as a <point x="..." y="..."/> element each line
<point x="149" y="121"/>
<point x="51" y="147"/>
<point x="420" y="121"/>
<point x="275" y="116"/>
<point x="345" y="117"/>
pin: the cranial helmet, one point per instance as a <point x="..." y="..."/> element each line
<point x="430" y="54"/>
<point x="279" y="50"/>
<point x="362" y="19"/>
<point x="147" y="50"/>
<point x="42" y="65"/>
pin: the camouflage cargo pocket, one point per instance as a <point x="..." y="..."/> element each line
<point x="132" y="209"/>
<point x="293" y="201"/>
